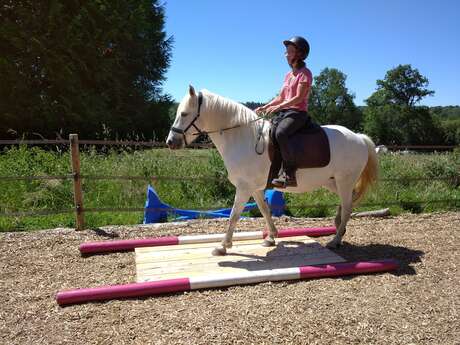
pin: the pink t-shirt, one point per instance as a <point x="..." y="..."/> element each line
<point x="291" y="83"/>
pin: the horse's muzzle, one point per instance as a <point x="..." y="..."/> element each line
<point x="174" y="143"/>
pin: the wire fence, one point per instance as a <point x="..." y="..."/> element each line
<point x="202" y="178"/>
<point x="408" y="203"/>
<point x="77" y="178"/>
<point x="158" y="144"/>
<point x="152" y="144"/>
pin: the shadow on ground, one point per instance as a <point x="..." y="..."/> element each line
<point x="289" y="254"/>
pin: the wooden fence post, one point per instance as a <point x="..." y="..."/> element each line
<point x="77" y="191"/>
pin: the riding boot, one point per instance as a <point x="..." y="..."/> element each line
<point x="287" y="178"/>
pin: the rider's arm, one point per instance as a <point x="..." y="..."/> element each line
<point x="302" y="91"/>
<point x="275" y="101"/>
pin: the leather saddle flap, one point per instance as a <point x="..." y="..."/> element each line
<point x="310" y="146"/>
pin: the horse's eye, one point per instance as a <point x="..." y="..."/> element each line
<point x="183" y="114"/>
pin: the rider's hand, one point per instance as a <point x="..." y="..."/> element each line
<point x="272" y="109"/>
<point x="259" y="110"/>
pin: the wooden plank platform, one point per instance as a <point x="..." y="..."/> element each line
<point x="195" y="260"/>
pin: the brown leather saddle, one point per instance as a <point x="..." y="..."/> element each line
<point x="310" y="145"/>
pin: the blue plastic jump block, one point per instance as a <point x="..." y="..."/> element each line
<point x="157" y="211"/>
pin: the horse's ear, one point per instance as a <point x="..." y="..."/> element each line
<point x="191" y="91"/>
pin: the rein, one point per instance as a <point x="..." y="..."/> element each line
<point x="228" y="128"/>
<point x="200" y="132"/>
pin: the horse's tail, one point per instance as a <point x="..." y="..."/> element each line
<point x="370" y="173"/>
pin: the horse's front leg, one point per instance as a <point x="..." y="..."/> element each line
<point x="265" y="210"/>
<point x="241" y="197"/>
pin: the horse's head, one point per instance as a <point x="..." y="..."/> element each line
<point x="185" y="128"/>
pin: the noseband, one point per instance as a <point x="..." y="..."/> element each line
<point x="192" y="124"/>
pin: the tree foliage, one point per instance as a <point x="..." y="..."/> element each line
<point x="330" y="101"/>
<point x="81" y="66"/>
<point x="449" y="119"/>
<point x="394" y="124"/>
<point x="451" y="131"/>
<point x="402" y="85"/>
<point x="392" y="116"/>
<point x="253" y="105"/>
<point x="447" y="112"/>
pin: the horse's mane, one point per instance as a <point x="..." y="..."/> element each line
<point x="227" y="113"/>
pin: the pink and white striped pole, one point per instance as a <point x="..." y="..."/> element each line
<point x="144" y="289"/>
<point x="127" y="245"/>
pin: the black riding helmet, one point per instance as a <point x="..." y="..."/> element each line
<point x="301" y="44"/>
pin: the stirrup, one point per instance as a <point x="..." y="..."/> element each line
<point x="285" y="181"/>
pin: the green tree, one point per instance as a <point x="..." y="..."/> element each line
<point x="72" y="66"/>
<point x="392" y="116"/>
<point x="449" y="120"/>
<point x="253" y="105"/>
<point x="451" y="130"/>
<point x="402" y="85"/>
<point x="446" y="112"/>
<point x="330" y="101"/>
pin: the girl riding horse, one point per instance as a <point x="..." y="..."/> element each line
<point x="291" y="105"/>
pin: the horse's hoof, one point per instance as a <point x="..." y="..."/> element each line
<point x="219" y="251"/>
<point x="268" y="243"/>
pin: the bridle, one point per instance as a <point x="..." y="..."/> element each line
<point x="200" y="132"/>
<point x="192" y="124"/>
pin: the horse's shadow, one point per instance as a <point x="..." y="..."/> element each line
<point x="375" y="251"/>
<point x="284" y="256"/>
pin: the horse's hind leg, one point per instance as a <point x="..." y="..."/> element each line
<point x="345" y="192"/>
<point x="264" y="209"/>
<point x="338" y="217"/>
<point x="333" y="188"/>
<point x="241" y="197"/>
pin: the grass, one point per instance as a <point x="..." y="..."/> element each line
<point x="39" y="195"/>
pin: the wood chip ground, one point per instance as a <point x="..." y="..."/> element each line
<point x="418" y="304"/>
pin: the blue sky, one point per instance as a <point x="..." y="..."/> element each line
<point x="234" y="48"/>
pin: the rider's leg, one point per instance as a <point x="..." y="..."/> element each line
<point x="291" y="123"/>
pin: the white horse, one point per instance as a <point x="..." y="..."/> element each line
<point x="235" y="130"/>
